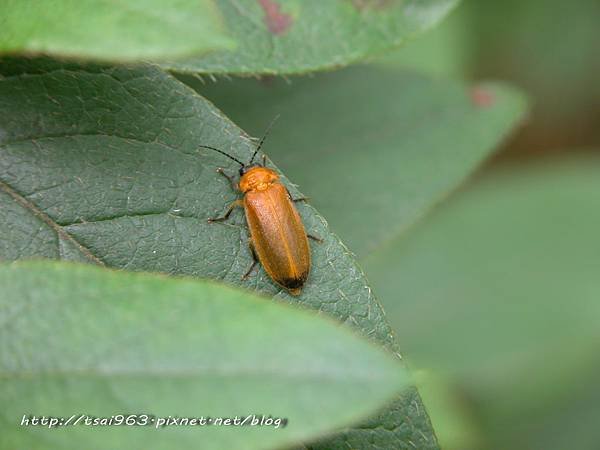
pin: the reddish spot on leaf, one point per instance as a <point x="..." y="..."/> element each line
<point x="277" y="21"/>
<point x="481" y="97"/>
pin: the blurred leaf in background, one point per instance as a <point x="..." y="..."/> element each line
<point x="546" y="47"/>
<point x="444" y="52"/>
<point x="298" y="36"/>
<point x="550" y="49"/>
<point x="112" y="31"/>
<point x="258" y="37"/>
<point x="456" y="424"/>
<point x="507" y="275"/>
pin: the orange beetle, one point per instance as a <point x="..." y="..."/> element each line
<point x="277" y="236"/>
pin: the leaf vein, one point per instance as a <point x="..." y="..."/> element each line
<point x="28" y="206"/>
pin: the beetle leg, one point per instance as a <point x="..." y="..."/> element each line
<point x="315" y="238"/>
<point x="301" y="199"/>
<point x="229" y="177"/>
<point x="264" y="158"/>
<point x="227" y="213"/>
<point x="254" y="260"/>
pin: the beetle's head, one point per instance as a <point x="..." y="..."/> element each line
<point x="257" y="178"/>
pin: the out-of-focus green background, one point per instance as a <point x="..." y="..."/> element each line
<point x="508" y="269"/>
<point x="549" y="48"/>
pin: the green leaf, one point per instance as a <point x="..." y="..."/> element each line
<point x="83" y="340"/>
<point x="562" y="77"/>
<point x="114" y="31"/>
<point x="103" y="165"/>
<point x="455" y="425"/>
<point x="445" y="51"/>
<point x="374" y="149"/>
<point x="507" y="276"/>
<point x="296" y="36"/>
<point x="570" y="424"/>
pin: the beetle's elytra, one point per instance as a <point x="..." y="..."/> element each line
<point x="277" y="236"/>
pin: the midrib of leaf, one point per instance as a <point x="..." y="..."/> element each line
<point x="73" y="135"/>
<point x="47" y="220"/>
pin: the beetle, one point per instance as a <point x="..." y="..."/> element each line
<point x="278" y="239"/>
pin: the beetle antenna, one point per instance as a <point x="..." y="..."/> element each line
<point x="263" y="138"/>
<point x="223" y="153"/>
